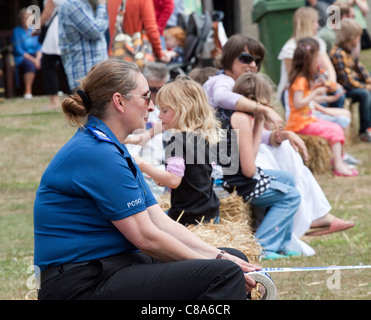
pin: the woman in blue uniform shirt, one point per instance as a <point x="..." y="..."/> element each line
<point x="99" y="232"/>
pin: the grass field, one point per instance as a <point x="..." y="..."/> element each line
<point x="30" y="136"/>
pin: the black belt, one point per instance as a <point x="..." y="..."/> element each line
<point x="57" y="270"/>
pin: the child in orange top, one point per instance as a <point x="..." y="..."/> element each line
<point x="302" y="94"/>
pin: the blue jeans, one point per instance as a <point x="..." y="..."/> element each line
<point x="363" y="97"/>
<point x="282" y="200"/>
<point x="342" y="121"/>
<point x="338" y="103"/>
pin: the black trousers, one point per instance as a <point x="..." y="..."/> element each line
<point x="51" y="67"/>
<point x="136" y="276"/>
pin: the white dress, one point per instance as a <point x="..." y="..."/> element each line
<point x="314" y="203"/>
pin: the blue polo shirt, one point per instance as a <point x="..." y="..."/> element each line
<point x="90" y="182"/>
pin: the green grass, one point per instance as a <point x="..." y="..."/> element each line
<point x="30" y="136"/>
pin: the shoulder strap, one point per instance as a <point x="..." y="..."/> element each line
<point x="122" y="6"/>
<point x="99" y="134"/>
<point x="103" y="137"/>
<point x="119" y="25"/>
<point x="52" y="18"/>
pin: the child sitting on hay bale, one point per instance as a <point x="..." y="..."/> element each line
<point x="302" y="102"/>
<point x="272" y="189"/>
<point x="282" y="155"/>
<point x="186" y="114"/>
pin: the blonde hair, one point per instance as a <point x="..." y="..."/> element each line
<point x="192" y="110"/>
<point x="349" y="30"/>
<point x="303" y="20"/>
<point x="254" y="86"/>
<point x="344" y="7"/>
<point x="100" y="84"/>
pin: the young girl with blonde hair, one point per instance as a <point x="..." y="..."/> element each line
<point x="193" y="128"/>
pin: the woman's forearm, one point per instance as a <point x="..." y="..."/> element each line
<point x="143" y="232"/>
<point x="180" y="232"/>
<point x="196" y="248"/>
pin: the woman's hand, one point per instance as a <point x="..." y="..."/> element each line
<point x="272" y="117"/>
<point x="246" y="267"/>
<point x="35" y="60"/>
<point x="37" y="63"/>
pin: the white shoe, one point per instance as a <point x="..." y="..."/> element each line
<point x="27" y="96"/>
<point x="349" y="159"/>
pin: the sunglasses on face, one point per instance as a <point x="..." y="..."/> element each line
<point x="247" y="58"/>
<point x="146" y="97"/>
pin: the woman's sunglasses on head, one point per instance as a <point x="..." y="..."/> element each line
<point x="247" y="58"/>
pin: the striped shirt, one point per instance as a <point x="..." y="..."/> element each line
<point x="81" y="38"/>
<point x="351" y="73"/>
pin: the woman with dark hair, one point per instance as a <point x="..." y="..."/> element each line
<point x="240" y="54"/>
<point x="278" y="150"/>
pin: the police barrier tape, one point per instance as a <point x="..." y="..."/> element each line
<point x="265" y="280"/>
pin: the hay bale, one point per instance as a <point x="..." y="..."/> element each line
<point x="319" y="154"/>
<point x="351" y="133"/>
<point x="234" y="229"/>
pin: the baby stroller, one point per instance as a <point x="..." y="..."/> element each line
<point x="198" y="28"/>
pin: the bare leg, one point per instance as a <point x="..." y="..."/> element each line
<point x="54" y="102"/>
<point x="29" y="78"/>
<point x="339" y="165"/>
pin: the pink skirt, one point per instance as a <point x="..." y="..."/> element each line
<point x="329" y="130"/>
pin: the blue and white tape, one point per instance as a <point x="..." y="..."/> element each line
<point x="314" y="268"/>
<point x="264" y="279"/>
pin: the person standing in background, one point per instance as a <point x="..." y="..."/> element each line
<point x="82" y="26"/>
<point x="163" y="11"/>
<point x="51" y="59"/>
<point x="139" y="15"/>
<point x="361" y="10"/>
